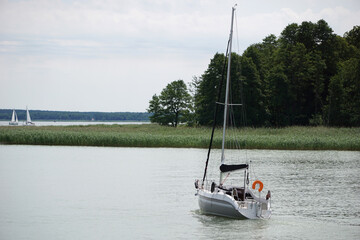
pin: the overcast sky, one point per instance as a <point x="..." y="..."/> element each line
<point x="113" y="55"/>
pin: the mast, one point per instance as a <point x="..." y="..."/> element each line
<point x="215" y="115"/>
<point x="227" y="92"/>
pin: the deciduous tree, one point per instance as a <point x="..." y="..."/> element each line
<point x="172" y="106"/>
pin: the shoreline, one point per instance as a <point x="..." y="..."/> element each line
<point x="155" y="136"/>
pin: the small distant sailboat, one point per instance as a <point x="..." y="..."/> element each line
<point x="14" y="119"/>
<point x="28" y="118"/>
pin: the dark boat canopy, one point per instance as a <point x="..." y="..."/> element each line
<point x="229" y="168"/>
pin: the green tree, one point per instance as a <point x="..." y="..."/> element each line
<point x="209" y="85"/>
<point x="158" y="113"/>
<point x="344" y="95"/>
<point x="263" y="56"/>
<point x="245" y="89"/>
<point x="353" y="36"/>
<point x="319" y="39"/>
<point x="278" y="97"/>
<point x="309" y="75"/>
<point x="206" y="90"/>
<point x="253" y="94"/>
<point x="172" y="106"/>
<point x="310" y="56"/>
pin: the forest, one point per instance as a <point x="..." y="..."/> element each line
<point x="306" y="76"/>
<point x="38" y="115"/>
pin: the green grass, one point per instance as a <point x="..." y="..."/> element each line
<point x="150" y="135"/>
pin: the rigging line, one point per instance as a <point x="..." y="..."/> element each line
<point x="216" y="110"/>
<point x="233" y="123"/>
<point x="236" y="133"/>
<point x="237" y="143"/>
<point x="241" y="85"/>
<point x="237" y="34"/>
<point x="243" y="111"/>
<point x="231" y="116"/>
<point x="234" y="140"/>
<point x="253" y="172"/>
<point x="243" y="108"/>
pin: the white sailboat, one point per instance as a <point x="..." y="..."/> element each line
<point x="233" y="201"/>
<point x="14" y="119"/>
<point x="28" y="118"/>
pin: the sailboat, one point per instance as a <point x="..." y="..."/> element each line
<point x="14" y="119"/>
<point x="28" y="118"/>
<point x="232" y="201"/>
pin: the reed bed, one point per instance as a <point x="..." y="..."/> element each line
<point x="150" y="135"/>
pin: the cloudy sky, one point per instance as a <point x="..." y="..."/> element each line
<point x="113" y="55"/>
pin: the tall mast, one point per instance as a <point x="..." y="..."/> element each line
<point x="227" y="92"/>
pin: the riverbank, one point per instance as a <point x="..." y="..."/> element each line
<point x="150" y="135"/>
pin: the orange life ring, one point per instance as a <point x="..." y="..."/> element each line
<point x="258" y="182"/>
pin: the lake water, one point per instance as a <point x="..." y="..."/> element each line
<point x="52" y="123"/>
<point x="52" y="192"/>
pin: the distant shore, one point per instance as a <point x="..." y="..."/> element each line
<point x="44" y="115"/>
<point x="70" y="123"/>
<point x="151" y="135"/>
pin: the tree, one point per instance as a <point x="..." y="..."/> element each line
<point x="206" y="90"/>
<point x="263" y="56"/>
<point x="253" y="101"/>
<point x="308" y="75"/>
<point x="278" y="97"/>
<point x="245" y="89"/>
<point x="353" y="36"/>
<point x="172" y="106"/>
<point x="158" y="113"/>
<point x="344" y="95"/>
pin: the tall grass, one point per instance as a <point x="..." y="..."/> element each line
<point x="149" y="135"/>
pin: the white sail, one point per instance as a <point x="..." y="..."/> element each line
<point x="14" y="118"/>
<point x="28" y="118"/>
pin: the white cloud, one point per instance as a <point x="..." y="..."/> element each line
<point x="126" y="22"/>
<point x="339" y="18"/>
<point x="8" y="46"/>
<point x="152" y="24"/>
<point x="75" y="43"/>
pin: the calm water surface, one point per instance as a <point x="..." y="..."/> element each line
<point x="69" y="123"/>
<point x="141" y="193"/>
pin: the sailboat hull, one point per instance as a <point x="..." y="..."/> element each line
<point x="221" y="204"/>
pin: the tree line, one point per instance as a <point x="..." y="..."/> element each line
<point x="306" y="76"/>
<point x="5" y="114"/>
